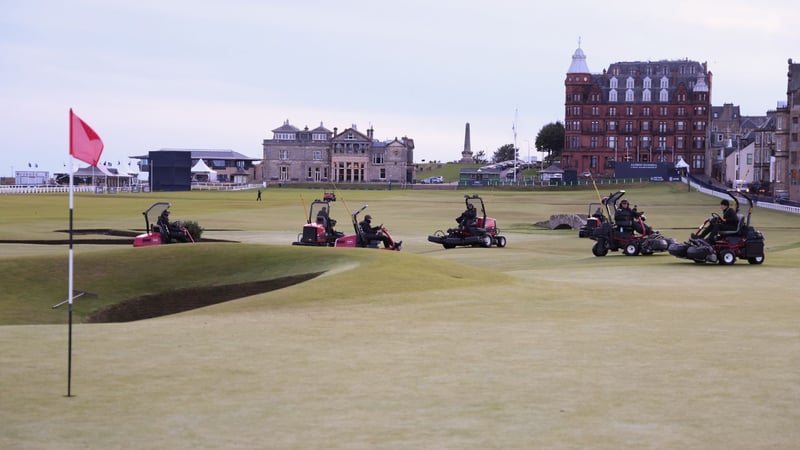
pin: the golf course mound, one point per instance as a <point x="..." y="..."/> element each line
<point x="180" y="300"/>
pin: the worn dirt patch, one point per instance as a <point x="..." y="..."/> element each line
<point x="180" y="300"/>
<point x="126" y="238"/>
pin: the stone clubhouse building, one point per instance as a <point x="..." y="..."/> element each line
<point x="295" y="155"/>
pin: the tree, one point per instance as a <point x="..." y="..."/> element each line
<point x="505" y="153"/>
<point x="550" y="140"/>
<point x="480" y="157"/>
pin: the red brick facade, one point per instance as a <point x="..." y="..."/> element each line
<point x="652" y="111"/>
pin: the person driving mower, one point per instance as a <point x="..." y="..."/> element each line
<point x="373" y="233"/>
<point x="629" y="218"/>
<point x="727" y="222"/>
<point x="468" y="219"/>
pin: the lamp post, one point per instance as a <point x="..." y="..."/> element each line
<point x="529" y="153"/>
<point x="738" y="155"/>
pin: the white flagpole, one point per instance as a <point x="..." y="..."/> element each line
<point x="71" y="291"/>
<point x="516" y="116"/>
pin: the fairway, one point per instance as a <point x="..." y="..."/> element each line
<point x="536" y="345"/>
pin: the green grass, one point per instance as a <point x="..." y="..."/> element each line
<point x="452" y="171"/>
<point x="537" y="345"/>
<point x="449" y="171"/>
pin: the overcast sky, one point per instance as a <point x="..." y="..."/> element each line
<point x="221" y="75"/>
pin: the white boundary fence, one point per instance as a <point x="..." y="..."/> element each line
<point x="760" y="204"/>
<point x="20" y="189"/>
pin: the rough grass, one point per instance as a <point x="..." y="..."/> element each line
<point x="538" y="345"/>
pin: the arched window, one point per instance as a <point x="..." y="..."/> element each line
<point x="612" y="95"/>
<point x="646" y="95"/>
<point x="663" y="96"/>
<point x="613" y="83"/>
<point x="629" y="95"/>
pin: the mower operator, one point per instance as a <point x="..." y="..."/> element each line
<point x="324" y="219"/>
<point x="626" y="217"/>
<point x="163" y="225"/>
<point x="468" y="218"/>
<point x="727" y="222"/>
<point x="373" y="233"/>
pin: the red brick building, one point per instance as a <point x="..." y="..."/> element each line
<point x="642" y="111"/>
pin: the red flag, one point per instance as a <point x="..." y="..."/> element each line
<point x="84" y="143"/>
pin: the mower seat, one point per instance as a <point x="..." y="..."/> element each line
<point x="361" y="239"/>
<point x="623" y="224"/>
<point x="739" y="227"/>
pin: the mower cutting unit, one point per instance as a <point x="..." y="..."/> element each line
<point x="318" y="230"/>
<point x="484" y="233"/>
<point x="744" y="242"/>
<point x="611" y="236"/>
<point x="161" y="233"/>
<point x="358" y="239"/>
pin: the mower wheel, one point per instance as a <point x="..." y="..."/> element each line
<point x="599" y="249"/>
<point x="726" y="257"/>
<point x="756" y="259"/>
<point x="486" y="241"/>
<point x="631" y="249"/>
<point x="500" y="241"/>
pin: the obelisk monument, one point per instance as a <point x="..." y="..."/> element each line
<point x="466" y="155"/>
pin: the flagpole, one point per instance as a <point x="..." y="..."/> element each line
<point x="70" y="291"/>
<point x="84" y="144"/>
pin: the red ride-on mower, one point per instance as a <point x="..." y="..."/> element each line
<point x="610" y="235"/>
<point x="318" y="231"/>
<point x="743" y="242"/>
<point x="483" y="233"/>
<point x="359" y="239"/>
<point x="159" y="229"/>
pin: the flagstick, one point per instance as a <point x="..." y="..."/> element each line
<point x="70" y="292"/>
<point x="86" y="145"/>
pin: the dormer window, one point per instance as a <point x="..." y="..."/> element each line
<point x="629" y="95"/>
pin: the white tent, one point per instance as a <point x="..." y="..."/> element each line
<point x="202" y="168"/>
<point x="681" y="164"/>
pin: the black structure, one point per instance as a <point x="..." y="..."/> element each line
<point x="654" y="171"/>
<point x="170" y="171"/>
